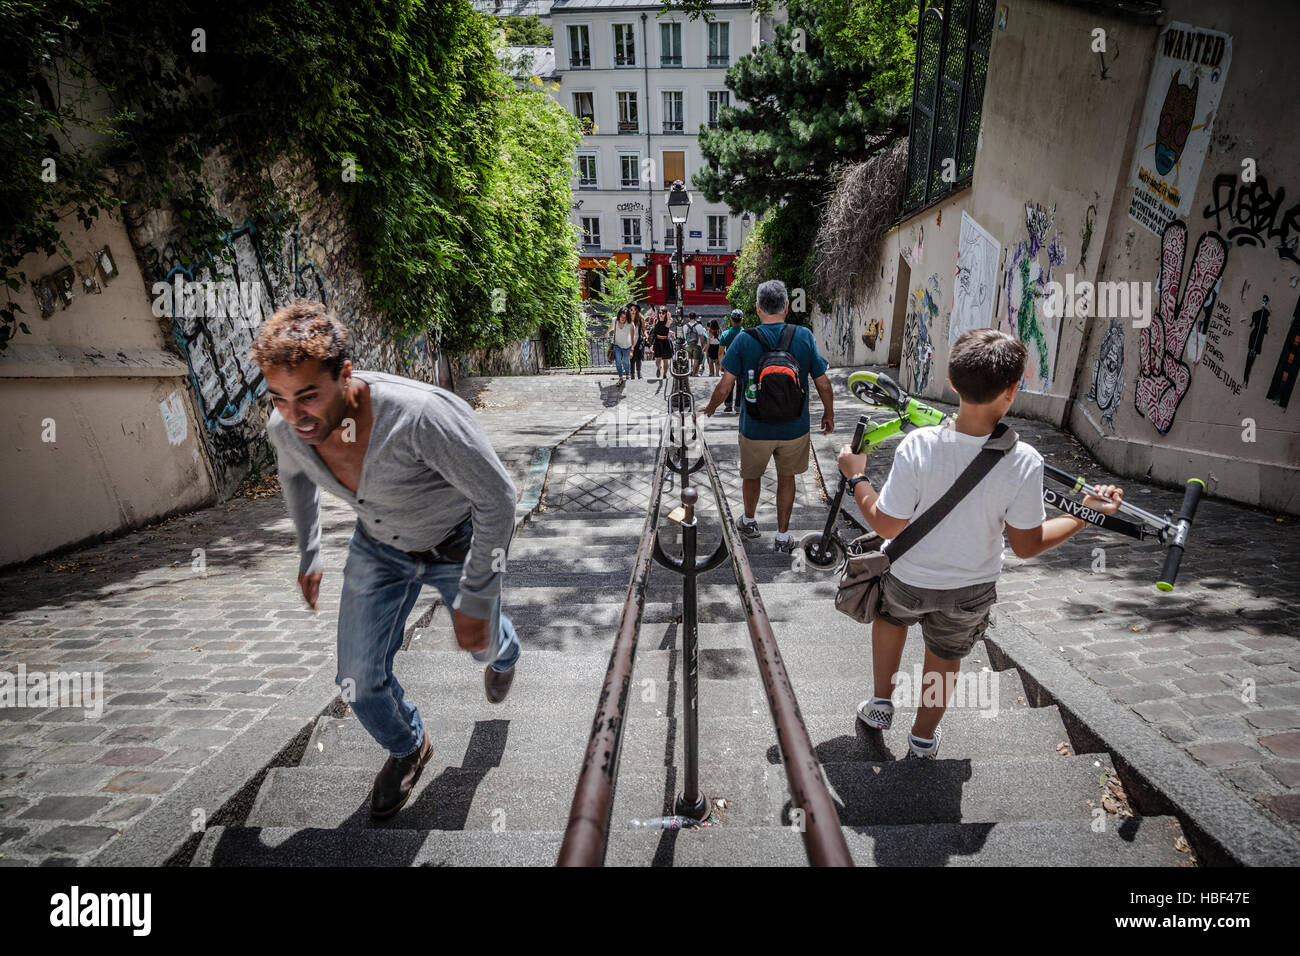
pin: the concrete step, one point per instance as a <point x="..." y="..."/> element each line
<point x="1145" y="841"/>
<point x="443" y="690"/>
<point x="867" y="793"/>
<point x="657" y="741"/>
<point x="256" y="846"/>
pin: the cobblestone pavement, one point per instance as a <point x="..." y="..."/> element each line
<point x="210" y="662"/>
<point x="1214" y="666"/>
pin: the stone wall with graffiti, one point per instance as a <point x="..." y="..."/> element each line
<point x="1206" y="389"/>
<point x="1153" y="277"/>
<point x="307" y="250"/>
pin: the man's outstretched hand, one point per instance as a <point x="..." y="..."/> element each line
<point x="471" y="632"/>
<point x="310" y="584"/>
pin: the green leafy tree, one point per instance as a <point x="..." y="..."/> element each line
<point x="831" y="89"/>
<point x="456" y="185"/>
<point x="526" y="31"/>
<point x="620" y="284"/>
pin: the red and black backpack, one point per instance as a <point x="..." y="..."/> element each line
<point x="780" y="394"/>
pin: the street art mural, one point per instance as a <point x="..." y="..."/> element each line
<point x="918" y="347"/>
<point x="216" y="343"/>
<point x="1288" y="364"/>
<point x="1201" y="329"/>
<point x="872" y="333"/>
<point x="975" y="280"/>
<point x="1026" y="284"/>
<point x="1254" y="215"/>
<point x="1255" y="341"/>
<point x="1108" y="377"/>
<point x="1187" y="79"/>
<point x="1163" y="377"/>
<point x="839" y="334"/>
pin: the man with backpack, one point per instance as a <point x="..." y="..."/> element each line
<point x="729" y="336"/>
<point x="770" y="366"/>
<point x="696" y="337"/>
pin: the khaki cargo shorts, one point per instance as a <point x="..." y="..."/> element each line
<point x="952" y="620"/>
<point x="791" y="455"/>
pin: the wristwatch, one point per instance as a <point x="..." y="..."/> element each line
<point x="853" y="483"/>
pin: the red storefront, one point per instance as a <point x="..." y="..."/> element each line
<point x="707" y="277"/>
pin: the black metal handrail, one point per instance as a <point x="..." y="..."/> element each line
<point x="822" y="836"/>
<point x="587" y="833"/>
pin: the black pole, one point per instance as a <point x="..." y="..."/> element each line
<point x="691" y="803"/>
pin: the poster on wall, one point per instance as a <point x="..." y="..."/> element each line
<point x="976" y="279"/>
<point x="1187" y="78"/>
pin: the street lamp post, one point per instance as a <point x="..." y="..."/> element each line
<point x="678" y="201"/>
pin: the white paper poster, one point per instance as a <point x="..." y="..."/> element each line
<point x="1187" y="80"/>
<point x="975" y="286"/>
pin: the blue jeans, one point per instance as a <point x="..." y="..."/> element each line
<point x="380" y="587"/>
<point x="622" y="363"/>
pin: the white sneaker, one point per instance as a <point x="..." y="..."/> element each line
<point x="748" y="527"/>
<point x="876" y="713"/>
<point x="923" y="752"/>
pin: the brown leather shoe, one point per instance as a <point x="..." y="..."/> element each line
<point x="397" y="778"/>
<point x="497" y="684"/>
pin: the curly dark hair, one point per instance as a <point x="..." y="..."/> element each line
<point x="302" y="331"/>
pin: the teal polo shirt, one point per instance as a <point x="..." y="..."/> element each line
<point x="744" y="354"/>
<point x="729" y="333"/>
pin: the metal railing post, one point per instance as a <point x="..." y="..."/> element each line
<point x="691" y="803"/>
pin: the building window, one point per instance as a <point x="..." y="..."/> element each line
<point x="591" y="232"/>
<point x="579" y="48"/>
<point x="670" y="44"/>
<point x="632" y="232"/>
<point x="717" y="100"/>
<point x="717" y="232"/>
<point x="628" y="119"/>
<point x="713" y="279"/>
<point x="587" y="170"/>
<point x="719" y="44"/>
<point x="674" y="112"/>
<point x="670" y="233"/>
<point x="952" y="58"/>
<point x="624" y="45"/>
<point x="674" y="167"/>
<point x="629" y="165"/>
<point x="584" y="107"/>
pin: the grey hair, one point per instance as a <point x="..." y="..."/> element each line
<point x="772" y="297"/>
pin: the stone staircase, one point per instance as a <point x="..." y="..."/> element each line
<point x="498" y="790"/>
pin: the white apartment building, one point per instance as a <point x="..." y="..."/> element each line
<point x="643" y="84"/>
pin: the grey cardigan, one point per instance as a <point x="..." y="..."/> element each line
<point x="428" y="466"/>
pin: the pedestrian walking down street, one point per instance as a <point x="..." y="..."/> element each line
<point x="434" y="506"/>
<point x="623" y="334"/>
<point x="638" y="347"/>
<point x="713" y="342"/>
<point x="734" y="329"/>
<point x="661" y="336"/>
<point x="696" y="335"/>
<point x="784" y="432"/>
<point x="947" y="579"/>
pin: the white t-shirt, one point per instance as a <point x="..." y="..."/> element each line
<point x="964" y="548"/>
<point x="623" y="337"/>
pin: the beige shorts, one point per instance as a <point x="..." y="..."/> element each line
<point x="952" y="620"/>
<point x="791" y="455"/>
